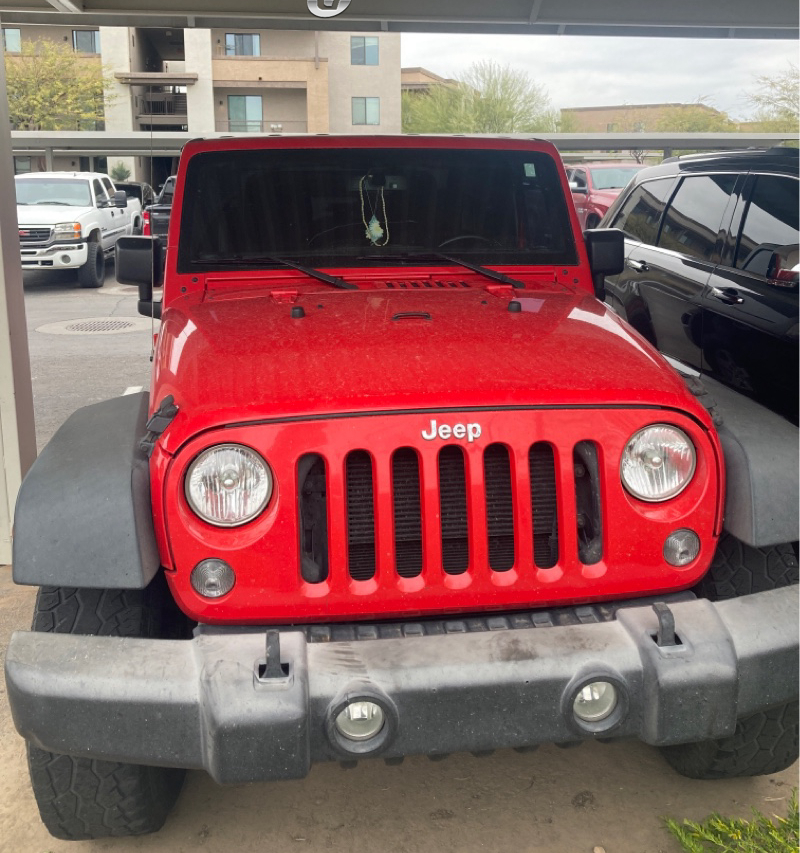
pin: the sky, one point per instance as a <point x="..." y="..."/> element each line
<point x="580" y="71"/>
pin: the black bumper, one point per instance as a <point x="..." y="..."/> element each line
<point x="201" y="703"/>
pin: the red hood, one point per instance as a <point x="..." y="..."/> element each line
<point x="239" y="357"/>
<point x="605" y="196"/>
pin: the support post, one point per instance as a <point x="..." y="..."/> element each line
<point x="17" y="429"/>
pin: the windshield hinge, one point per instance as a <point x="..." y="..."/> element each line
<point x="284" y="296"/>
<point x="158" y="422"/>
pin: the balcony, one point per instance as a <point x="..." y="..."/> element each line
<point x="163" y="104"/>
<point x="267" y="126"/>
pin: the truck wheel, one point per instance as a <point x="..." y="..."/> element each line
<point x="84" y="798"/>
<point x="766" y="742"/>
<point x="93" y="272"/>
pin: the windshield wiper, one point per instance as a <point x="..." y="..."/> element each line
<point x="333" y="280"/>
<point x="438" y="256"/>
<point x="64" y="203"/>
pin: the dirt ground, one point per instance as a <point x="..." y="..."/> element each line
<point x="554" y="800"/>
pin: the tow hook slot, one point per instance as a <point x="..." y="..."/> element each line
<point x="272" y="668"/>
<point x="665" y="636"/>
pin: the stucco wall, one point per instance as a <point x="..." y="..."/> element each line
<point x="371" y="81"/>
<point x="246" y="74"/>
<point x="289" y="44"/>
<point x="200" y="96"/>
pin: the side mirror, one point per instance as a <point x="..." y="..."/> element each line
<point x="140" y="261"/>
<point x="577" y="189"/>
<point x="120" y="198"/>
<point x="606" y="250"/>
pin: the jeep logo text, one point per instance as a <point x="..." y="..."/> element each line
<point x="445" y="431"/>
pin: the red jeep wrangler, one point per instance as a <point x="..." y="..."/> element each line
<point x="403" y="484"/>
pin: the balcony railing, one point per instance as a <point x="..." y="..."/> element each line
<point x="268" y="126"/>
<point x="163" y="104"/>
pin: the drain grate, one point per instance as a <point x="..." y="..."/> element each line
<point x="99" y="326"/>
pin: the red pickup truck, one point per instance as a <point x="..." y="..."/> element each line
<point x="403" y="484"/>
<point x="594" y="187"/>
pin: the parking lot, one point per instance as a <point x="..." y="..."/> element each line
<point x="610" y="796"/>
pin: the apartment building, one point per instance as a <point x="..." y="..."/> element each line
<point x="248" y="81"/>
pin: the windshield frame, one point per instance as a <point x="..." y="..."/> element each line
<point x="206" y="167"/>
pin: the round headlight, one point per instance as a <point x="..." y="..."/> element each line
<point x="228" y="485"/>
<point x="658" y="462"/>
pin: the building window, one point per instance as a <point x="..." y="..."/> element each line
<point x="22" y="165"/>
<point x="244" y="113"/>
<point x="363" y="50"/>
<point x="86" y="41"/>
<point x="242" y="44"/>
<point x="366" y="110"/>
<point x="11" y="40"/>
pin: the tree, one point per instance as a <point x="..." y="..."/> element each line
<point x="777" y="101"/>
<point x="489" y="98"/>
<point x="52" y="88"/>
<point x="120" y="172"/>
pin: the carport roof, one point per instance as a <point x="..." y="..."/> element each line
<point x="679" y="18"/>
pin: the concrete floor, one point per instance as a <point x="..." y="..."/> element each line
<point x="560" y="801"/>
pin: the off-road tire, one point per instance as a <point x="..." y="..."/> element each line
<point x="739" y="569"/>
<point x="84" y="798"/>
<point x="766" y="742"/>
<point x="762" y="744"/>
<point x="93" y="272"/>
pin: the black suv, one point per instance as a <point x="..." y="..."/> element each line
<point x="711" y="267"/>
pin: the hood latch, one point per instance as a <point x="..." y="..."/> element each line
<point x="158" y="422"/>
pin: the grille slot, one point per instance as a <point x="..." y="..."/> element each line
<point x="407" y="513"/>
<point x="313" y="508"/>
<point x="453" y="510"/>
<point x="588" y="502"/>
<point x="499" y="507"/>
<point x="542" y="467"/>
<point x="34" y="235"/>
<point x="360" y="515"/>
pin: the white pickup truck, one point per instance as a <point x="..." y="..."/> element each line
<point x="72" y="220"/>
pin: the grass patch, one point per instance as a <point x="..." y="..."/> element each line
<point x="717" y="834"/>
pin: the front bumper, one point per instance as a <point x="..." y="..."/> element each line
<point x="58" y="256"/>
<point x="201" y="703"/>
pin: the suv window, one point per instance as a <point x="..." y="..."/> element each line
<point x="691" y="224"/>
<point x="768" y="240"/>
<point x="641" y="212"/>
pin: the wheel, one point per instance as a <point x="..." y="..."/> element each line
<point x="84" y="798"/>
<point x="93" y="272"/>
<point x="766" y="742"/>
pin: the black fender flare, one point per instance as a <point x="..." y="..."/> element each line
<point x="83" y="516"/>
<point x="761" y="463"/>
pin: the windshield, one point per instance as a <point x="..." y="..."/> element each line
<point x="613" y="179"/>
<point x="72" y="192"/>
<point x="353" y="207"/>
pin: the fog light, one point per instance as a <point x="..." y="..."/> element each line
<point x="681" y="547"/>
<point x="212" y="578"/>
<point x="595" y="701"/>
<point x="65" y="259"/>
<point x="360" y="720"/>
